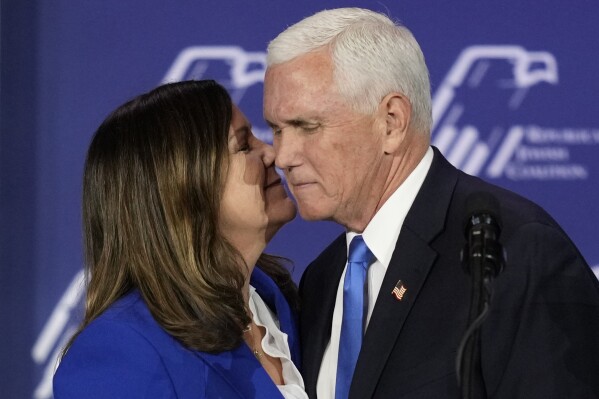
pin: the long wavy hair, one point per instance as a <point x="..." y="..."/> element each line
<point x="152" y="187"/>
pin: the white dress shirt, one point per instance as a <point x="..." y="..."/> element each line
<point x="380" y="235"/>
<point x="275" y="344"/>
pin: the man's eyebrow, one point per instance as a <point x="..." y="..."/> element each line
<point x="293" y="122"/>
<point x="271" y="124"/>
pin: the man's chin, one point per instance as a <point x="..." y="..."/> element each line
<point x="311" y="215"/>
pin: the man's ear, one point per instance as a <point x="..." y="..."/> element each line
<point x="397" y="111"/>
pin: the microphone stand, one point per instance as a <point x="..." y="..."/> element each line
<point x="483" y="259"/>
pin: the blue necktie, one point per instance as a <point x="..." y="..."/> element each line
<point x="352" y="326"/>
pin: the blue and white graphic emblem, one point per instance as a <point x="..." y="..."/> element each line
<point x="233" y="67"/>
<point x="61" y="325"/>
<point x="240" y="72"/>
<point x="489" y="85"/>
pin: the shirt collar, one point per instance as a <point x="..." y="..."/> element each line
<point x="382" y="231"/>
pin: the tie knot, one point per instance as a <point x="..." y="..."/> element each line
<point x="358" y="251"/>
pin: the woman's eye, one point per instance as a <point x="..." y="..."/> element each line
<point x="244" y="147"/>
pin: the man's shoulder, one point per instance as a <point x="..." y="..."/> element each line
<point x="515" y="209"/>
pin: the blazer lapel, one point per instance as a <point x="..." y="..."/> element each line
<point x="240" y="369"/>
<point x="411" y="262"/>
<point x="272" y="296"/>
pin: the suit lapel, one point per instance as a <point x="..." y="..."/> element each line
<point x="411" y="262"/>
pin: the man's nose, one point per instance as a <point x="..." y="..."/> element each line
<point x="287" y="147"/>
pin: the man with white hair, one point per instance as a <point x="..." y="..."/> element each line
<point x="385" y="306"/>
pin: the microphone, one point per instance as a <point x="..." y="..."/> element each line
<point x="482" y="228"/>
<point x="483" y="259"/>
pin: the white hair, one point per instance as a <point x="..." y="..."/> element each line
<point x="372" y="56"/>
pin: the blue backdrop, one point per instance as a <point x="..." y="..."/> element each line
<point x="515" y="102"/>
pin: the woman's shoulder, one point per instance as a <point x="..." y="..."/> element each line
<point x="126" y="320"/>
<point x="130" y="309"/>
<point x="123" y="351"/>
<point x="126" y="323"/>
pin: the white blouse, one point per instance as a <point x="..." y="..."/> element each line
<point x="275" y="344"/>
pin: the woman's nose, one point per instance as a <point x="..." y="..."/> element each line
<point x="268" y="154"/>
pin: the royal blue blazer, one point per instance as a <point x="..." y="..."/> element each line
<point x="125" y="353"/>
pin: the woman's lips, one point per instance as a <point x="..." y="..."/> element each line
<point x="273" y="183"/>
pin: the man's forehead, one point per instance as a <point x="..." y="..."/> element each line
<point x="314" y="69"/>
<point x="300" y="106"/>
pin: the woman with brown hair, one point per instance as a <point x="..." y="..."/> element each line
<point x="179" y="201"/>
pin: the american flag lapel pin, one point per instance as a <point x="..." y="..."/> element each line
<point x="399" y="290"/>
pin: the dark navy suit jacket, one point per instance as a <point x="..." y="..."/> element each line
<point x="540" y="340"/>
<point x="124" y="353"/>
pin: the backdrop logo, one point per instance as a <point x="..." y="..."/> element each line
<point x="240" y="72"/>
<point x="60" y="326"/>
<point x="241" y="69"/>
<point x="484" y="88"/>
